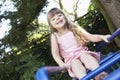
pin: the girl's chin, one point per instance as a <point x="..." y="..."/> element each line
<point x="60" y="26"/>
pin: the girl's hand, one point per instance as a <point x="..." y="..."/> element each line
<point x="64" y="67"/>
<point x="105" y="38"/>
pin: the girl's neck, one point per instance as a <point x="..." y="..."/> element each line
<point x="63" y="31"/>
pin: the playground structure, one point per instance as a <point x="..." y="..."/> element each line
<point x="43" y="73"/>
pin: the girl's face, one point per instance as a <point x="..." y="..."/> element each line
<point x="58" y="21"/>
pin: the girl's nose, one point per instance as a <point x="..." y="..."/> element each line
<point x="56" y="16"/>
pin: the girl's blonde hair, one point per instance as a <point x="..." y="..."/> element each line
<point x="71" y="26"/>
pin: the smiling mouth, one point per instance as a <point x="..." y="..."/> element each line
<point x="59" y="21"/>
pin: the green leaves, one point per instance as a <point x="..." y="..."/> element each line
<point x="21" y="20"/>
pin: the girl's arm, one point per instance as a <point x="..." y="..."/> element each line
<point x="55" y="51"/>
<point x="94" y="37"/>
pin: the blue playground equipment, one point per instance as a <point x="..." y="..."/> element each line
<point x="43" y="73"/>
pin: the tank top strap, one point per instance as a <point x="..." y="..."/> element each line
<point x="56" y="35"/>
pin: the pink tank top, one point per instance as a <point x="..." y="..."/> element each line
<point x="68" y="44"/>
<point x="69" y="49"/>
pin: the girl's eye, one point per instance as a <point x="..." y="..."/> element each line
<point x="59" y="15"/>
<point x="52" y="19"/>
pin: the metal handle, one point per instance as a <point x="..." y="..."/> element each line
<point x="115" y="34"/>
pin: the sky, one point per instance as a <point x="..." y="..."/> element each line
<point x="68" y="5"/>
<point x="5" y="27"/>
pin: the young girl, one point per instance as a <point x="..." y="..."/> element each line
<point x="68" y="45"/>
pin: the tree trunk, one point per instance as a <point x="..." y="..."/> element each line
<point x="111" y="12"/>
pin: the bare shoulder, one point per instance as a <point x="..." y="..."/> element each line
<point x="53" y="38"/>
